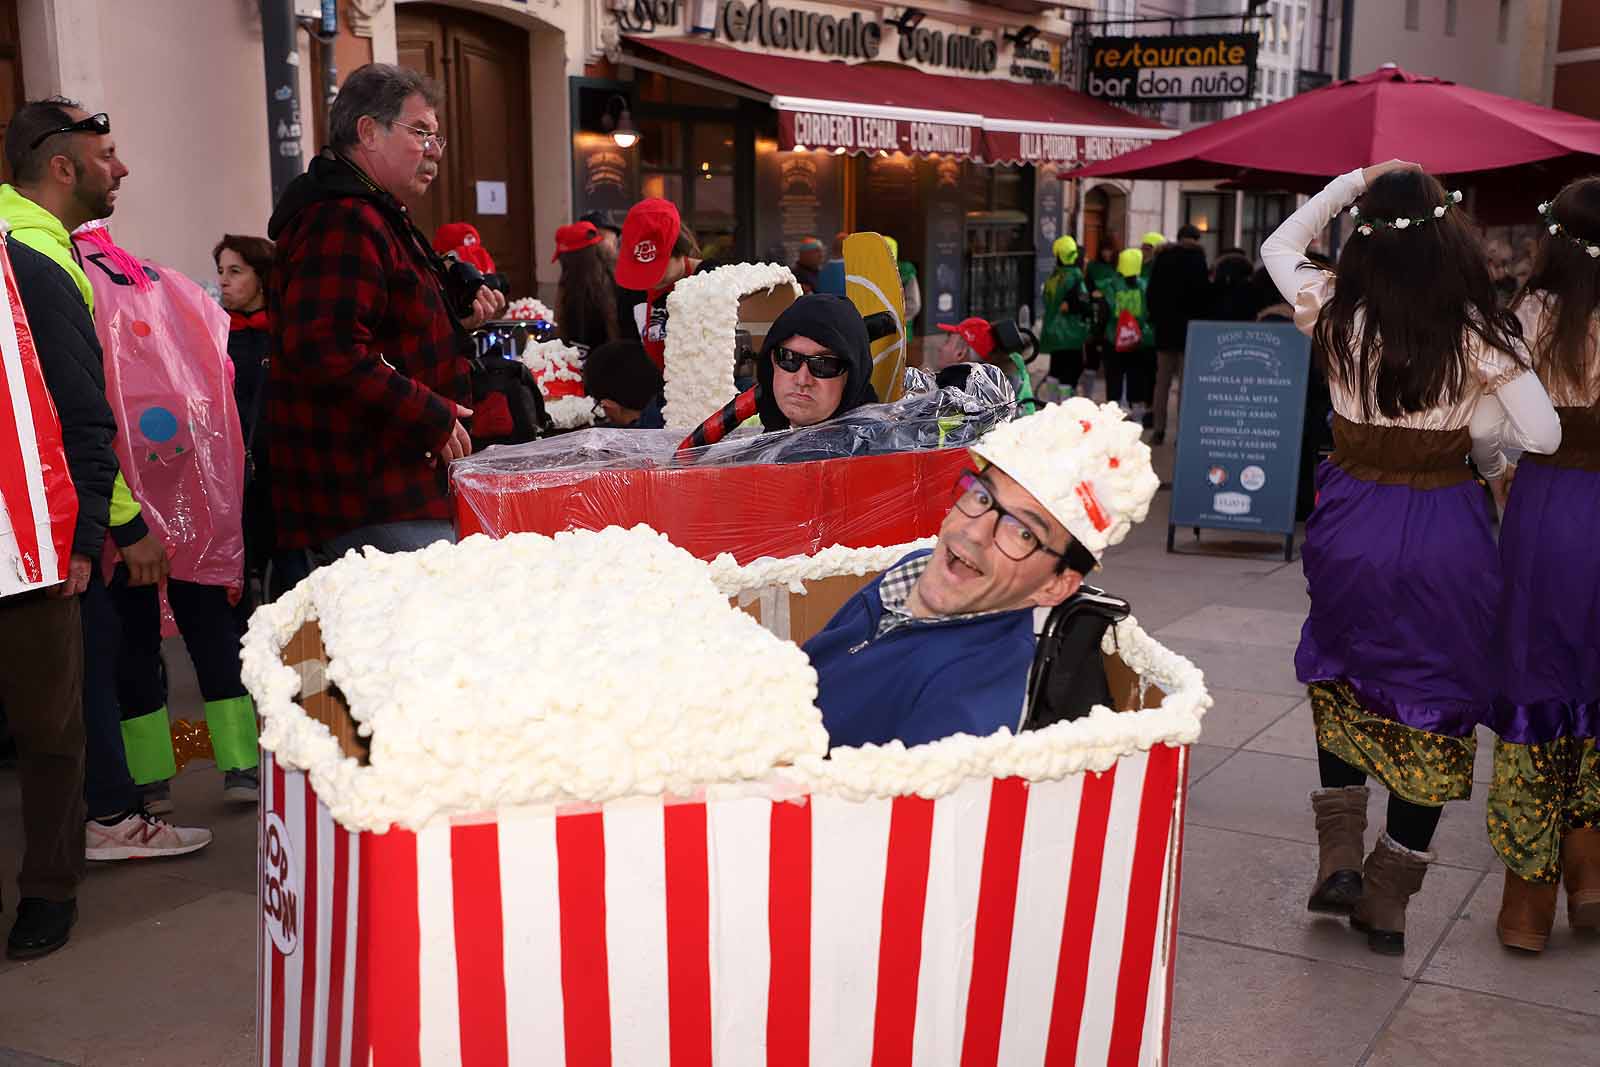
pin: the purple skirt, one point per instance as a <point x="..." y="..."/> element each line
<point x="1550" y="628"/>
<point x="1404" y="587"/>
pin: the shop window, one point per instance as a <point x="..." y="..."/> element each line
<point x="1202" y="111"/>
<point x="1449" y="18"/>
<point x="692" y="164"/>
<point x="1212" y="215"/>
<point x="1263" y="213"/>
<point x="1413" y="14"/>
<point x="1000" y="251"/>
<point x="1503" y="29"/>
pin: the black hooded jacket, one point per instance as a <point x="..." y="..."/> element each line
<point x="834" y="323"/>
<point x="1179" y="292"/>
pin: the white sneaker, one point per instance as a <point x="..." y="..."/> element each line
<point x="142" y="836"/>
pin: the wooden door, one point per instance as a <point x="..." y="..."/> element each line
<point x="482" y="63"/>
<point x="11" y="96"/>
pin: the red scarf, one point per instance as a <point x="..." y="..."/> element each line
<point x="255" y="320"/>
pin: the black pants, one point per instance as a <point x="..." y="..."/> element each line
<point x="1136" y="370"/>
<point x="210" y="633"/>
<point x="1141" y="365"/>
<point x="41" y="678"/>
<point x="1411" y="825"/>
<point x="107" y="785"/>
<point x="1066" y="367"/>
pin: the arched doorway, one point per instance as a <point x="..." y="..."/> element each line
<point x="1105" y="215"/>
<point x="11" y="95"/>
<point x="486" y="176"/>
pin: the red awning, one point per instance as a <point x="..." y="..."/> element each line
<point x="868" y="107"/>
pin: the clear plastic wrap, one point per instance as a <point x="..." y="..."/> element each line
<point x="170" y="384"/>
<point x="879" y="475"/>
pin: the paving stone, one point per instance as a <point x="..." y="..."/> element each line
<point x="1237" y="715"/>
<point x="1239" y="625"/>
<point x="1268" y="794"/>
<point x="1292" y="734"/>
<point x="1230" y="666"/>
<point x="1251" y="891"/>
<point x="1203" y="759"/>
<point x="1235" y="1005"/>
<point x="1456" y="1028"/>
<point x="1565" y="975"/>
<point x="176" y="989"/>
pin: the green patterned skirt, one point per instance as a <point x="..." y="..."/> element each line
<point x="1539" y="793"/>
<point x="1424" y="768"/>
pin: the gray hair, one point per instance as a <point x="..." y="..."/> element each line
<point x="379" y="90"/>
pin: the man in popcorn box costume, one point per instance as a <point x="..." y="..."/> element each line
<point x="942" y="643"/>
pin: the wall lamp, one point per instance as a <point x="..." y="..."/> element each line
<point x="624" y="134"/>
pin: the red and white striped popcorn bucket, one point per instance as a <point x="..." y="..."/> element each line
<point x="38" y="505"/>
<point x="1006" y="922"/>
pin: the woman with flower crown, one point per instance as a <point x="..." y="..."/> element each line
<point x="1544" y="805"/>
<point x="1398" y="652"/>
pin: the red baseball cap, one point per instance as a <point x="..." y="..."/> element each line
<point x="975" y="332"/>
<point x="573" y="237"/>
<point x="648" y="234"/>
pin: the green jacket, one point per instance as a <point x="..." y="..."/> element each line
<point x="45" y="234"/>
<point x="1101" y="276"/>
<point x="1065" y="331"/>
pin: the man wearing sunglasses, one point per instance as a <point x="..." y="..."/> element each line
<point x="943" y="642"/>
<point x="816" y="363"/>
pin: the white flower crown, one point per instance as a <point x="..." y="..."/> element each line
<point x="1365" y="225"/>
<point x="1557" y="230"/>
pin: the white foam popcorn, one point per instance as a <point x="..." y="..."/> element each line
<point x="702" y="317"/>
<point x="597" y="665"/>
<point x="1084" y="462"/>
<point x="531" y="669"/>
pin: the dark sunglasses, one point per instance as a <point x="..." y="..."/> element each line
<point x="100" y="124"/>
<point x="789" y="361"/>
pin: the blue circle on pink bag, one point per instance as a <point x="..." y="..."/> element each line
<point x="158" y="425"/>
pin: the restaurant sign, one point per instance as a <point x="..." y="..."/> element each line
<point x="1130" y="70"/>
<point x="1002" y="146"/>
<point x="783" y="28"/>
<point x="869" y="133"/>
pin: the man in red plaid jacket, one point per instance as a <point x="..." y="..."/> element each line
<point x="369" y="378"/>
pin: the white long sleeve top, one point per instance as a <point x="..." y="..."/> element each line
<point x="1534" y="313"/>
<point x="1503" y="405"/>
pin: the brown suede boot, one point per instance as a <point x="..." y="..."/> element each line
<point x="1527" y="912"/>
<point x="1341" y="828"/>
<point x="1580" y="863"/>
<point x="1391" y="876"/>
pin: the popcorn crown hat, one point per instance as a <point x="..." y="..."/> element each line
<point x="1084" y="462"/>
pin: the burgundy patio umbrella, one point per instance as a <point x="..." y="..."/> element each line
<point x="1511" y="152"/>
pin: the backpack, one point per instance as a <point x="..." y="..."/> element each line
<point x="1068" y="677"/>
<point x="1129" y="304"/>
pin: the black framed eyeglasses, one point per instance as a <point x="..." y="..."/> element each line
<point x="1014" y="538"/>
<point x="430" y="139"/>
<point x="823" y="365"/>
<point x="100" y="124"/>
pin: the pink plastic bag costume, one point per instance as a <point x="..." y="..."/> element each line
<point x="170" y="384"/>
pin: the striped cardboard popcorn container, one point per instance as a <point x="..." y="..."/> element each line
<point x="38" y="505"/>
<point x="1005" y="922"/>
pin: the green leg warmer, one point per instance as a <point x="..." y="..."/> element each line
<point x="147" y="741"/>
<point x="233" y="733"/>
